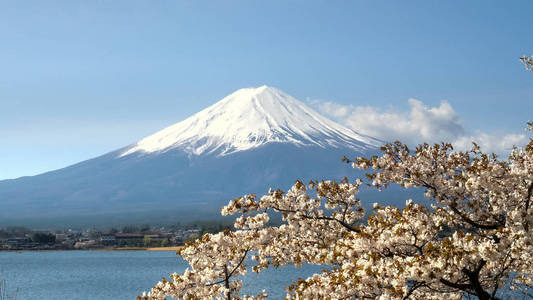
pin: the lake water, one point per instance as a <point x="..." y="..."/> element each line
<point x="112" y="274"/>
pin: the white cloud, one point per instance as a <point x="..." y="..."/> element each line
<point x="418" y="124"/>
<point x="501" y="144"/>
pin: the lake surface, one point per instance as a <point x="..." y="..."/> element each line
<point x="113" y="274"/>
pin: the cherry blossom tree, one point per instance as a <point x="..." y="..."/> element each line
<point x="474" y="241"/>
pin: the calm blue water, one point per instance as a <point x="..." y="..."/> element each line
<point x="112" y="274"/>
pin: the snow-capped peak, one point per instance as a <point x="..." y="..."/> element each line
<point x="250" y="118"/>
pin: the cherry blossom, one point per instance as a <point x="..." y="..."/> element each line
<point x="475" y="240"/>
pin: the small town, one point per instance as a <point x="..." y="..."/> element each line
<point x="128" y="237"/>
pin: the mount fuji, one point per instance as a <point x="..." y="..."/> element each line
<point x="248" y="142"/>
<point x="251" y="118"/>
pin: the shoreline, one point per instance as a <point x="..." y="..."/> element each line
<point x="171" y="248"/>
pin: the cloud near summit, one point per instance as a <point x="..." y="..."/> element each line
<point x="418" y="124"/>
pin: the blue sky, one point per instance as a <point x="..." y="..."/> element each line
<point x="81" y="78"/>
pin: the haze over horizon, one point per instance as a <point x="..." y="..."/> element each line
<point x="122" y="70"/>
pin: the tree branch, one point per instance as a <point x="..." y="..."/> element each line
<point x="528" y="200"/>
<point x="463" y="216"/>
<point x="473" y="277"/>
<point x="226" y="275"/>
<point x="413" y="289"/>
<point x="344" y="224"/>
<point x="226" y="282"/>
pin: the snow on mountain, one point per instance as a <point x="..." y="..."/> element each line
<point x="249" y="118"/>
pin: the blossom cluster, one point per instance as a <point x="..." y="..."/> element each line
<point x="528" y="62"/>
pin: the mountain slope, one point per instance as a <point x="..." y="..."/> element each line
<point x="250" y="141"/>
